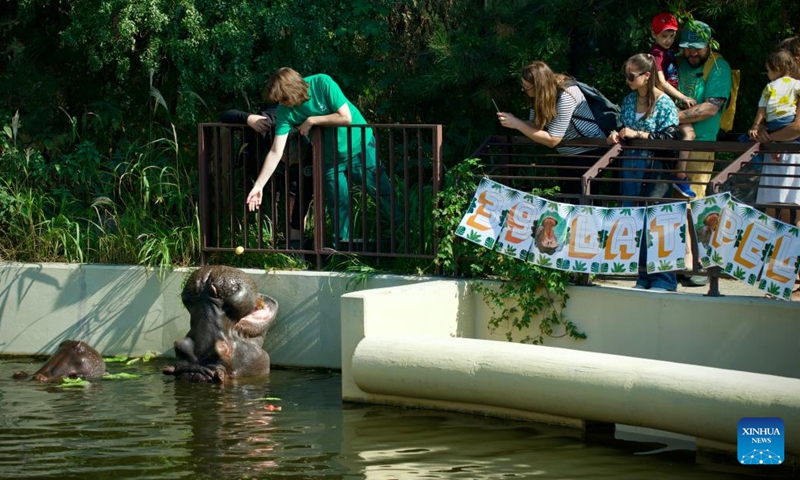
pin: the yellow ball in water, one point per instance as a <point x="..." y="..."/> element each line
<point x="239" y="250"/>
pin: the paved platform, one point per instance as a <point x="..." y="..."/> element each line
<point x="727" y="287"/>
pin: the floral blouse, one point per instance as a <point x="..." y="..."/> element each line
<point x="665" y="115"/>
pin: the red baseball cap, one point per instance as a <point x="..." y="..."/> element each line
<point x="664" y="21"/>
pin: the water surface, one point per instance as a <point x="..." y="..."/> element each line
<point x="291" y="425"/>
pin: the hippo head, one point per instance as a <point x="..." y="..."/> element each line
<point x="227" y="322"/>
<point x="73" y="359"/>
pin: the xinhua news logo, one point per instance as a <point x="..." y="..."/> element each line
<point x="760" y="441"/>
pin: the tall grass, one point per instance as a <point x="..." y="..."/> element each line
<point x="133" y="203"/>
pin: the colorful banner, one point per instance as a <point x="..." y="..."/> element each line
<point x="666" y="237"/>
<point x="745" y="243"/>
<point x="782" y="264"/>
<point x="705" y="217"/>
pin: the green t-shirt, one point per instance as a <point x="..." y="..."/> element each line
<point x="690" y="82"/>
<point x="326" y="97"/>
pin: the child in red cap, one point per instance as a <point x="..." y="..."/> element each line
<point x="665" y="28"/>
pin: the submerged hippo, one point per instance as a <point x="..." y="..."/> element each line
<point x="228" y="320"/>
<point x="73" y="359"/>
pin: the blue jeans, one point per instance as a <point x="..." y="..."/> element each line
<point x="667" y="281"/>
<point x="632" y="185"/>
<point x="775" y="125"/>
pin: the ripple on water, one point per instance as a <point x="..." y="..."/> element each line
<point x="153" y="427"/>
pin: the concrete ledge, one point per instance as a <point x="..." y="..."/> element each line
<point x="687" y="399"/>
<point x="130" y="310"/>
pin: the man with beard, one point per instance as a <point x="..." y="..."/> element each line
<point x="712" y="95"/>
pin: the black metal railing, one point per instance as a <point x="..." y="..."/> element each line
<point x="379" y="203"/>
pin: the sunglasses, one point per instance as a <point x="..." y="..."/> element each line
<point x="522" y="87"/>
<point x="632" y="76"/>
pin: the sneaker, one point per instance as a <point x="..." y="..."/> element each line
<point x="681" y="185"/>
<point x="693" y="280"/>
<point x="659" y="289"/>
<point x="639" y="286"/>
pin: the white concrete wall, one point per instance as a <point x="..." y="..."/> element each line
<point x="128" y="310"/>
<point x="745" y="333"/>
<point x="400" y="346"/>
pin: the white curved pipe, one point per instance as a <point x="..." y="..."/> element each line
<point x="693" y="400"/>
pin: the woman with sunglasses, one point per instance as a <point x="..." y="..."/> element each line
<point x="554" y="117"/>
<point x="646" y="112"/>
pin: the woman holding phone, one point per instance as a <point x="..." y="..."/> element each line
<point x="558" y="111"/>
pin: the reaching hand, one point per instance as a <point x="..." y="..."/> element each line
<point x="254" y="198"/>
<point x="613" y="138"/>
<point x="689" y="102"/>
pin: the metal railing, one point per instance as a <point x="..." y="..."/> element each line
<point x="385" y="201"/>
<point x="595" y="178"/>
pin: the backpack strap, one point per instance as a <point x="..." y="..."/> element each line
<point x="574" y="83"/>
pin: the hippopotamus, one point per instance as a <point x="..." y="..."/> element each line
<point x="73" y="359"/>
<point x="227" y="322"/>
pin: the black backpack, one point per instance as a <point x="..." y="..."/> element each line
<point x="606" y="113"/>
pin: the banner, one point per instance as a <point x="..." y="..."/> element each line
<point x="745" y="243"/>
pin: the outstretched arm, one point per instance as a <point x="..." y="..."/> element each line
<point x="270" y="164"/>
<point x="539" y="136"/>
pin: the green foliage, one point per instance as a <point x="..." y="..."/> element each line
<point x="99" y="164"/>
<point x="521" y="292"/>
<point x="128" y="203"/>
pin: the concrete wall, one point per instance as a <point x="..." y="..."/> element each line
<point x="647" y="361"/>
<point x="127" y="310"/>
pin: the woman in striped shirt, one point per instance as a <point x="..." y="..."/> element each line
<point x="558" y="111"/>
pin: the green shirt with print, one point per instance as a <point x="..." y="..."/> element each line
<point x="718" y="85"/>
<point x="325" y="98"/>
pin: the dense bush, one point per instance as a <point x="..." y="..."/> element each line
<point x="99" y="165"/>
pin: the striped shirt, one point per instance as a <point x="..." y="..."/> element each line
<point x="565" y="126"/>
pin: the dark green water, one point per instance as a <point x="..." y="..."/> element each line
<point x="153" y="427"/>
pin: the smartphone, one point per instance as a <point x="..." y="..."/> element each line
<point x="495" y="106"/>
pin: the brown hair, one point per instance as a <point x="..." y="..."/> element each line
<point x="286" y="87"/>
<point x="645" y="63"/>
<point x="782" y="62"/>
<point x="792" y="45"/>
<point x="546" y="85"/>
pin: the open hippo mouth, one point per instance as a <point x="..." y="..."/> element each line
<point x="228" y="320"/>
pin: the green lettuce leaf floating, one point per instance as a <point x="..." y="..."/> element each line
<point x="67" y="382"/>
<point x="115" y="359"/>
